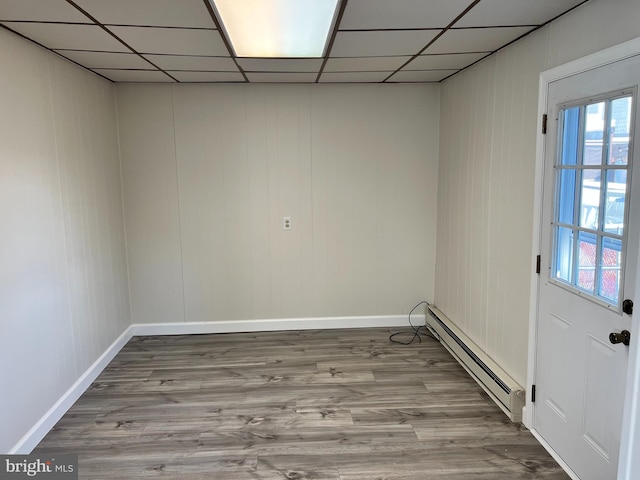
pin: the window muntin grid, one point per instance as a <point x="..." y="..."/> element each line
<point x="591" y="201"/>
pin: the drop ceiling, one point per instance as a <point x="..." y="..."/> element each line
<point x="372" y="41"/>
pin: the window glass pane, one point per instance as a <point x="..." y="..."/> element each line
<point x="619" y="131"/>
<point x="591" y="201"/>
<point x="570" y="136"/>
<point x="567" y="196"/>
<point x="615" y="196"/>
<point x="593" y="134"/>
<point x="610" y="269"/>
<point x="590" y="198"/>
<point x="564" y="254"/>
<point x="586" y="261"/>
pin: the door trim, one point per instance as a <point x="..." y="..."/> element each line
<point x="629" y="468"/>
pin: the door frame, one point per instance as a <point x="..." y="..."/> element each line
<point x="629" y="467"/>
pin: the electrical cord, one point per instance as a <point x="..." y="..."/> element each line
<point x="416" y="332"/>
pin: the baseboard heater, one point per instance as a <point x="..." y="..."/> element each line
<point x="503" y="389"/>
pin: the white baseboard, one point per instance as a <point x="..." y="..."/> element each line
<point x="271" y="325"/>
<point x="31" y="439"/>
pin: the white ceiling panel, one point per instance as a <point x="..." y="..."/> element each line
<point x="280" y="77"/>
<point x="383" y="14"/>
<point x="435" y="62"/>
<point x="65" y="36"/>
<point x="421" y="76"/>
<point x="180" y="62"/>
<point x="475" y="39"/>
<point x="280" y="64"/>
<point x="381" y="44"/>
<point x="160" y="13"/>
<point x="365" y="64"/>
<point x="515" y="12"/>
<point x="207" y="76"/>
<point x="174" y="41"/>
<point x="135" y="75"/>
<point x="353" y="77"/>
<point x="41" y="11"/>
<point x="105" y="59"/>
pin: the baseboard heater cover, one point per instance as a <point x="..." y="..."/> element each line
<point x="503" y="389"/>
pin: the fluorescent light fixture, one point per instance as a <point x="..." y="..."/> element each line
<point x="277" y="28"/>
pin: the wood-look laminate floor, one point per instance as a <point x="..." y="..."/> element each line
<point x="321" y="405"/>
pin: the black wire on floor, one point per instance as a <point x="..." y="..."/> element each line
<point x="417" y="332"/>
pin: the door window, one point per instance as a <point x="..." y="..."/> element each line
<point x="591" y="197"/>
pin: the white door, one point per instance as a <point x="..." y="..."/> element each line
<point x="590" y="224"/>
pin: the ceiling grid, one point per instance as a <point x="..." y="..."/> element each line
<point x="372" y="41"/>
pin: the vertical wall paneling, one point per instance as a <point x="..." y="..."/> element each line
<point x="258" y="185"/>
<point x="148" y="152"/>
<point x="355" y="167"/>
<point x="485" y="205"/>
<point x="64" y="293"/>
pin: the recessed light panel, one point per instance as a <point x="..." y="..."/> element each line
<point x="277" y="28"/>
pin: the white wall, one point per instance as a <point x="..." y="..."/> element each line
<point x="209" y="171"/>
<point x="63" y="278"/>
<point x="485" y="203"/>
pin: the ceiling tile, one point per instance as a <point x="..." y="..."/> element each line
<point x="475" y="39"/>
<point x="358" y="77"/>
<point x="41" y="11"/>
<point x="160" y="13"/>
<point x="134" y="75"/>
<point x="381" y="44"/>
<point x="105" y="59"/>
<point x="281" y="77"/>
<point x="515" y="12"/>
<point x="454" y="61"/>
<point x="364" y="64"/>
<point x="207" y="76"/>
<point x="280" y="64"/>
<point x="421" y="76"/>
<point x="398" y="14"/>
<point x="174" y="41"/>
<point x="59" y="36"/>
<point x="187" y="62"/>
